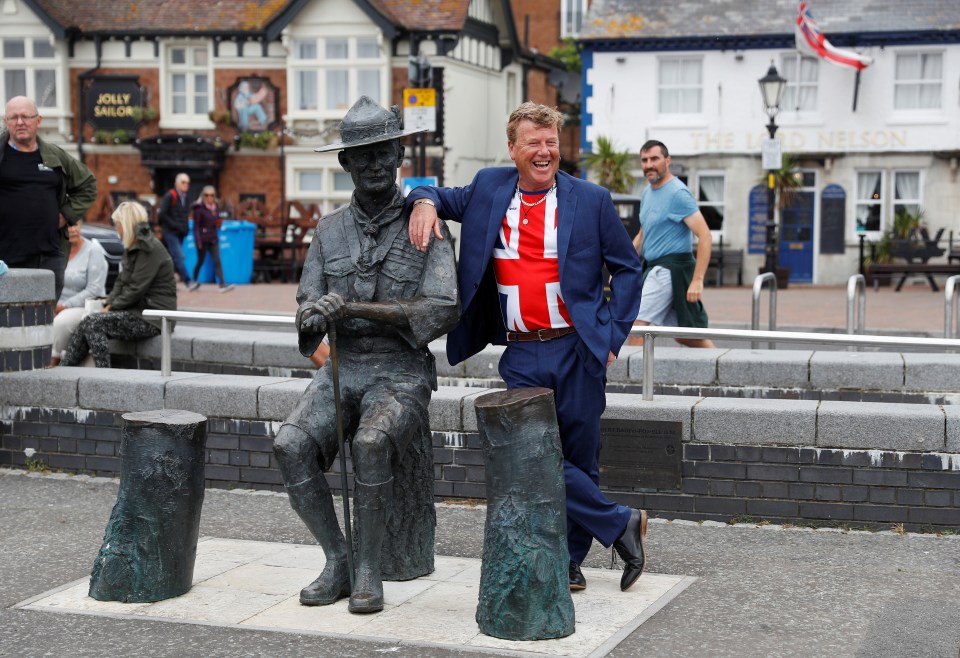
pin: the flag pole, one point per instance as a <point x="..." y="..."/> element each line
<point x="856" y="90"/>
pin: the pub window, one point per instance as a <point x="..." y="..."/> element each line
<point x="680" y="85"/>
<point x="907" y="192"/>
<point x="188" y="81"/>
<point x="800" y="94"/>
<point x="869" y="201"/>
<point x="329" y="74"/>
<point x="30" y="69"/>
<point x="918" y="81"/>
<point x="710" y="199"/>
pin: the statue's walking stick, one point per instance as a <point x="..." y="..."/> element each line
<point x="335" y="367"/>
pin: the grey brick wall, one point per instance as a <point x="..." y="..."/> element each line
<point x="782" y="484"/>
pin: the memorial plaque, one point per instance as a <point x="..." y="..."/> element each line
<point x="640" y="454"/>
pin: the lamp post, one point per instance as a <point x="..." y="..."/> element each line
<point x="771" y="89"/>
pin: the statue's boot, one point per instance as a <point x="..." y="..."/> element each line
<point x="312" y="501"/>
<point x="371" y="502"/>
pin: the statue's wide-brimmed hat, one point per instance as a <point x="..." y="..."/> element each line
<point x="369" y="123"/>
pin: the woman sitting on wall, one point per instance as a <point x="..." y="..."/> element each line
<point x="206" y="223"/>
<point x="146" y="281"/>
<point x="85" y="278"/>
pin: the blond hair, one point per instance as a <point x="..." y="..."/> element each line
<point x="541" y="116"/>
<point x="129" y="215"/>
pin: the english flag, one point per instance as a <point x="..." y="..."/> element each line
<point x="810" y="41"/>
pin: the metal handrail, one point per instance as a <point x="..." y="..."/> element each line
<point x="758" y="283"/>
<point x="950" y="320"/>
<point x="649" y="333"/>
<point x="203" y="316"/>
<point x="857" y="295"/>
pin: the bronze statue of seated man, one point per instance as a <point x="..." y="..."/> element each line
<point x="386" y="301"/>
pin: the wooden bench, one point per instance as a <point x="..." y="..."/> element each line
<point x="905" y="269"/>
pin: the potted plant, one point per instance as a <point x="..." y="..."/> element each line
<point x="219" y="117"/>
<point x="610" y="166"/>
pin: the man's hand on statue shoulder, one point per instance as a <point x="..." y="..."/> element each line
<point x="423" y="220"/>
<point x="328" y="308"/>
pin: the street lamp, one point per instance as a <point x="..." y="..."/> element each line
<point x="771" y="89"/>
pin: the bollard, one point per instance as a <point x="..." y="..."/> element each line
<point x="150" y="544"/>
<point x="524" y="579"/>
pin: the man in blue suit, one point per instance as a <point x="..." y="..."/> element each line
<point x="534" y="242"/>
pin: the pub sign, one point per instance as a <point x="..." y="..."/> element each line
<point x="111" y="100"/>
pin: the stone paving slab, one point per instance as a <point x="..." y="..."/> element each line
<point x="255" y="585"/>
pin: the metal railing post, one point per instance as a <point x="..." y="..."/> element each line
<point x="950" y="320"/>
<point x="648" y="367"/>
<point x="165" y="350"/>
<point x="758" y="283"/>
<point x="856" y="294"/>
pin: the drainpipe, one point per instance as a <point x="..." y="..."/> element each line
<point x="80" y="97"/>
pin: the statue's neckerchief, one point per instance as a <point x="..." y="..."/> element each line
<point x="372" y="249"/>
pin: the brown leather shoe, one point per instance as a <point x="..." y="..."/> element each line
<point x="577" y="581"/>
<point x="631" y="550"/>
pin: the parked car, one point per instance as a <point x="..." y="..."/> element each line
<point x="112" y="245"/>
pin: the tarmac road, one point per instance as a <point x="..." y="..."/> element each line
<point x="761" y="591"/>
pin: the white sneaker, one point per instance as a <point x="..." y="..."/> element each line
<point x="194" y="286"/>
<point x="226" y="288"/>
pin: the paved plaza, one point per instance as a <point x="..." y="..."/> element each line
<point x="751" y="590"/>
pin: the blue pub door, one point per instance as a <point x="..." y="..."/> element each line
<point x="796" y="232"/>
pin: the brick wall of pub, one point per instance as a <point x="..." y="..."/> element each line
<point x="856" y="488"/>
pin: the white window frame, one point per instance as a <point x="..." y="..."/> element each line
<point x="190" y="119"/>
<point x="30" y="65"/>
<point x="327" y="197"/>
<point x="353" y="64"/>
<point x="895" y="202"/>
<point x="796" y="86"/>
<point x="572" y="13"/>
<point x="722" y="204"/>
<point x="679" y="87"/>
<point x="938" y="83"/>
<point x="881" y="202"/>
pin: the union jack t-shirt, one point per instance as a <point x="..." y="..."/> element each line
<point x="526" y="267"/>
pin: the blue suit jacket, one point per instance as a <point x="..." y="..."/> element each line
<point x="590" y="235"/>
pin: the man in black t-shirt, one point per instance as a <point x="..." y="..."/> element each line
<point x="42" y="189"/>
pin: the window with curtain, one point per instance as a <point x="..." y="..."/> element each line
<point x="30" y="69"/>
<point x="869" y="200"/>
<point x="680" y="85"/>
<point x="906" y="192"/>
<point x="710" y="198"/>
<point x="801" y="73"/>
<point x="918" y="81"/>
<point x="329" y="73"/>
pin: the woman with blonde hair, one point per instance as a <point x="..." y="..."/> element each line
<point x="146" y="281"/>
<point x="206" y="225"/>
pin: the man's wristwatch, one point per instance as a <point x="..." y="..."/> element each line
<point x="420" y="202"/>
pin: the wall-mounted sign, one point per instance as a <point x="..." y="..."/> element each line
<point x="420" y="108"/>
<point x="254" y="104"/>
<point x="111" y="101"/>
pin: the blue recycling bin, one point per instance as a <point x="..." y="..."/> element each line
<point x="236" y="253"/>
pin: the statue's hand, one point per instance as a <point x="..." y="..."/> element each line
<point x="313" y="324"/>
<point x="330" y="308"/>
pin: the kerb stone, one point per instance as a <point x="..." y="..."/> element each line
<point x="881" y="426"/>
<point x="856" y="370"/>
<point x="765" y="368"/>
<point x="738" y="421"/>
<point x="931" y="372"/>
<point x="219" y="396"/>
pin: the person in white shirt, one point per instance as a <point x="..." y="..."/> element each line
<point x="85" y="278"/>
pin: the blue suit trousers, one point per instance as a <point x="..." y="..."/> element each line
<point x="568" y="367"/>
